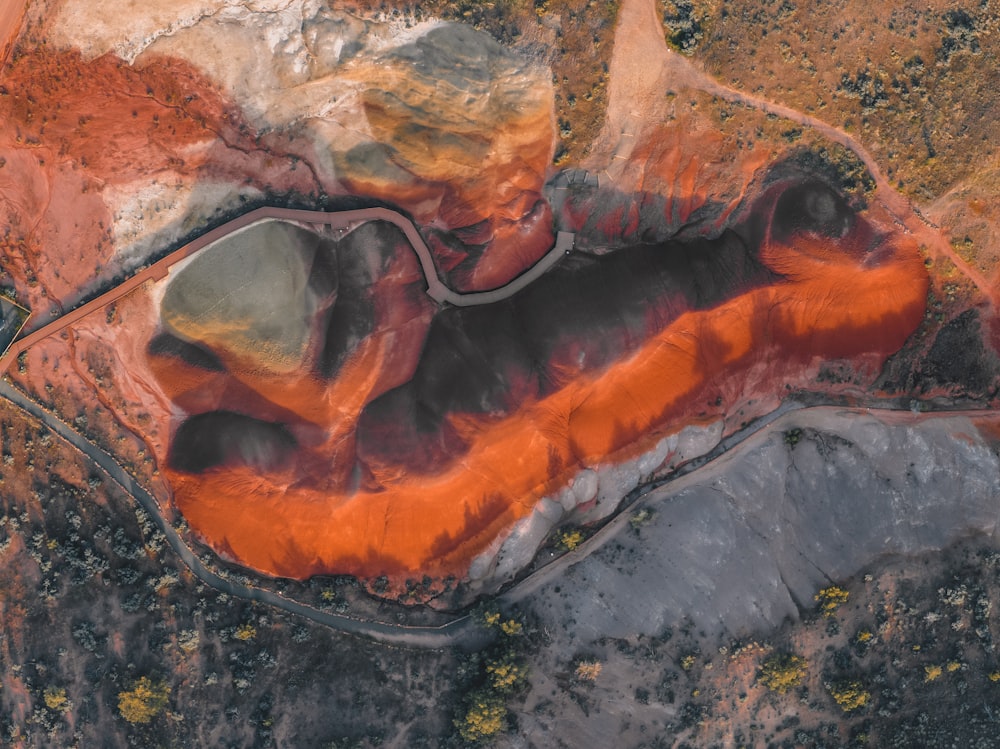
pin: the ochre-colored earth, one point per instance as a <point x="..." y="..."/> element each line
<point x="324" y="505"/>
<point x="350" y="424"/>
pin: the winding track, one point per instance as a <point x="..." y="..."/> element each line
<point x="902" y="210"/>
<point x="436" y="289"/>
<point x="460" y="630"/>
<point x="456" y="632"/>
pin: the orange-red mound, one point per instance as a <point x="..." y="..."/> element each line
<point x="838" y="299"/>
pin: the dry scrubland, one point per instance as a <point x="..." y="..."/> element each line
<point x="575" y="37"/>
<point x="901" y="655"/>
<point x="105" y="640"/>
<point x="914" y="82"/>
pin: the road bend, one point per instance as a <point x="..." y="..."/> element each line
<point x="436" y="288"/>
<point x="458" y="632"/>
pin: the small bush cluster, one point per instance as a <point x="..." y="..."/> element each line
<point x="588" y="670"/>
<point x="144" y="701"/>
<point x="782" y="672"/>
<point x="850" y="695"/>
<point x="499" y="673"/>
<point x="569" y="539"/>
<point x="830" y="599"/>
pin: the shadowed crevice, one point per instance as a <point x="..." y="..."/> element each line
<point x="169" y="345"/>
<point x="224" y="438"/>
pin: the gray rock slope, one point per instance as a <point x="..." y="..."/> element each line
<point x="746" y="542"/>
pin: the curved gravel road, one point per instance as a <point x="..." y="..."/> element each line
<point x="456" y="632"/>
<point x="436" y="289"/>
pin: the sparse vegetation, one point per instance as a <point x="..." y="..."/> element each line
<point x="686" y="23"/>
<point x="103" y="611"/>
<point x="891" y="75"/>
<point x="56" y="700"/>
<point x="245" y="632"/>
<point x="485" y="717"/>
<point x="850" y="695"/>
<point x="641" y="517"/>
<point x="495" y="676"/>
<point x="569" y="539"/>
<point x="587" y="669"/>
<point x="505" y="673"/>
<point x="841" y="166"/>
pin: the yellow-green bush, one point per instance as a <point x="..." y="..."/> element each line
<point x="782" y="672"/>
<point x="850" y="695"/>
<point x="505" y="674"/>
<point x="144" y="701"/>
<point x="830" y="599"/>
<point x="485" y="718"/>
<point x="570" y="539"/>
<point x="55" y="699"/>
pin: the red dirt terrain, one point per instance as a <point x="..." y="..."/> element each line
<point x="73" y="128"/>
<point x="270" y="468"/>
<point x="347" y="423"/>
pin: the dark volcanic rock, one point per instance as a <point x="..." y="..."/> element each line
<point x="581" y="317"/>
<point x="224" y="438"/>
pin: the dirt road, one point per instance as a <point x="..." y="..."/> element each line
<point x="643" y="68"/>
<point x="436" y="289"/>
<point x="456" y="632"/>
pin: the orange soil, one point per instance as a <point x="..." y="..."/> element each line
<point x="299" y="523"/>
<point x="69" y="127"/>
<point x="11" y="16"/>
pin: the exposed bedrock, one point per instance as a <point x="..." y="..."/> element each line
<point x="255" y="295"/>
<point x="222" y="438"/>
<point x="462" y="137"/>
<point x="438" y="118"/>
<point x="278" y="298"/>
<point x="747" y="542"/>
<point x="590" y="312"/>
<point x="581" y="317"/>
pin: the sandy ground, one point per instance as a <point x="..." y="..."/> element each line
<point x="11" y="15"/>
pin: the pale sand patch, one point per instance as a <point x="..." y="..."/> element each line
<point x="640" y="73"/>
<point x="148" y="216"/>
